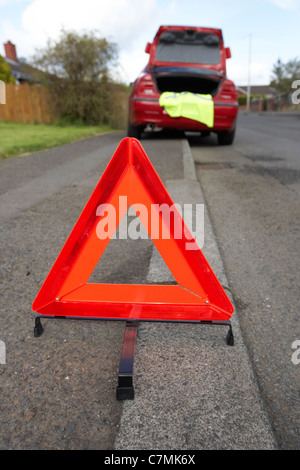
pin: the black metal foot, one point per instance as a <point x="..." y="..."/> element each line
<point x="38" y="328"/>
<point x="125" y="390"/>
<point x="230" y="337"/>
<point x="125" y="393"/>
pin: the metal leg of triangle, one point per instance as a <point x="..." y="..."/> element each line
<point x="38" y="327"/>
<point x="125" y="390"/>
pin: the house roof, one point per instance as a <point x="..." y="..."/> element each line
<point x="257" y="90"/>
<point x="18" y="70"/>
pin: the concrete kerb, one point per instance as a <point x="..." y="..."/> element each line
<point x="192" y="391"/>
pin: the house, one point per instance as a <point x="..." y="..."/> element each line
<point x="263" y="97"/>
<point x="261" y="90"/>
<point x="22" y="72"/>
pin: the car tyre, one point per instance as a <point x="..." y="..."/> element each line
<point x="133" y="131"/>
<point x="226" y="137"/>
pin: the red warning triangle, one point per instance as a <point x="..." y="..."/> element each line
<point x="66" y="291"/>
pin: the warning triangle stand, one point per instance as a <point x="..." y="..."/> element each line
<point x="131" y="180"/>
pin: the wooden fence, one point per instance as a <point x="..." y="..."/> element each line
<point x="27" y="103"/>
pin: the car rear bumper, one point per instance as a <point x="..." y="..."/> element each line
<point x="148" y="111"/>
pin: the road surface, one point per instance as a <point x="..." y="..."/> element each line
<point x="252" y="192"/>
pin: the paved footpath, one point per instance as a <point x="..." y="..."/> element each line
<point x="192" y="391"/>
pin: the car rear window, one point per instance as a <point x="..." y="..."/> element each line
<point x="188" y="47"/>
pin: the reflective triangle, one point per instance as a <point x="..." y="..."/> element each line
<point x="130" y="179"/>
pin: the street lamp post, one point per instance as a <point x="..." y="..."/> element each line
<point x="249" y="74"/>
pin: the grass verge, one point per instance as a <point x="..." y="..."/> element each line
<point x="19" y="138"/>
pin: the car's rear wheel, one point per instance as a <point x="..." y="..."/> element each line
<point x="226" y="137"/>
<point x="134" y="131"/>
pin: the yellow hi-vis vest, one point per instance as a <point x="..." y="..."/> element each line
<point x="189" y="105"/>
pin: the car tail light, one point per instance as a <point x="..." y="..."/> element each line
<point x="228" y="90"/>
<point x="146" y="87"/>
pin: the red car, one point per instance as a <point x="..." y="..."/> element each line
<point x="184" y="59"/>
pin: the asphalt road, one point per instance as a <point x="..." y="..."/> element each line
<point x="58" y="391"/>
<point x="252" y="194"/>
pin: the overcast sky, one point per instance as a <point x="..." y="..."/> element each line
<point x="273" y="24"/>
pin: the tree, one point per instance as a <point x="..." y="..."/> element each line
<point x="284" y="74"/>
<point x="5" y="72"/>
<point x="76" y="70"/>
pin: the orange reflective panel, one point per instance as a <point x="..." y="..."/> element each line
<point x="198" y="295"/>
